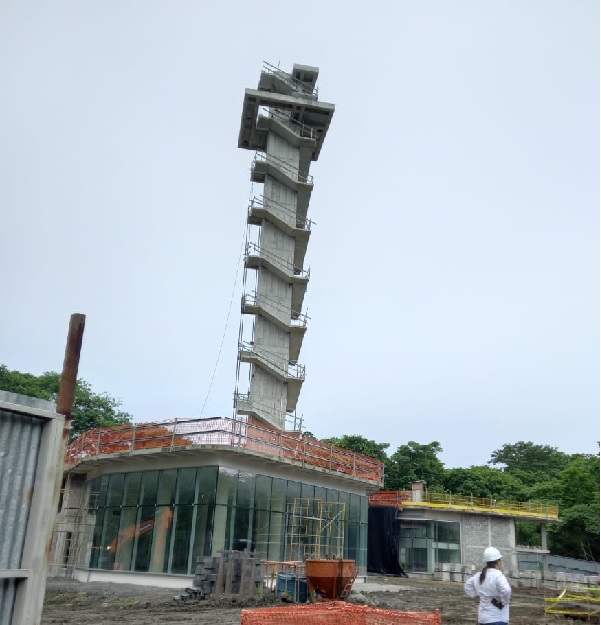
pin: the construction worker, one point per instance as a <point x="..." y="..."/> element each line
<point x="493" y="589"/>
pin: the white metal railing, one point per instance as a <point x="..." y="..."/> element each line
<point x="266" y="302"/>
<point x="276" y="361"/>
<point x="284" y="117"/>
<point x="290" y="170"/>
<point x="297" y="85"/>
<point x="260" y="201"/>
<point x="252" y="249"/>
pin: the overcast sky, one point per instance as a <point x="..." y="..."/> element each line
<point x="454" y="291"/>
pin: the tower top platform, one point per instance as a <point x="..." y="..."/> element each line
<point x="293" y="94"/>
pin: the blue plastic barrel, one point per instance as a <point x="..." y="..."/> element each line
<point x="295" y="587"/>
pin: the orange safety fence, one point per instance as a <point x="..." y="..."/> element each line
<point x="246" y="434"/>
<point x="335" y="613"/>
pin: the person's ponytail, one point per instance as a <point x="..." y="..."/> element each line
<point x="483" y="573"/>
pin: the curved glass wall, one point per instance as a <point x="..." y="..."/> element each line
<point x="159" y="521"/>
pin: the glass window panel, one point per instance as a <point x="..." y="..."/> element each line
<point x="246" y="490"/>
<point x="307" y="491"/>
<point x="278" y="495"/>
<point x="131" y="495"/>
<point x="182" y="531"/>
<point x="354" y="513"/>
<point x="262" y="492"/>
<point x="345" y="499"/>
<point x="293" y="492"/>
<point x="149" y="488"/>
<point x="161" y="535"/>
<point x="364" y="509"/>
<point x="220" y="538"/>
<point x="206" y="478"/>
<point x="125" y="541"/>
<point x="241" y="537"/>
<point x="186" y="486"/>
<point x="166" y="490"/>
<point x="108" y="541"/>
<point x="102" y="491"/>
<point x="332" y="494"/>
<point x="203" y="531"/>
<point x="352" y="541"/>
<point x="261" y="533"/>
<point x="321" y="493"/>
<point x="97" y="539"/>
<point x="115" y="491"/>
<point x="227" y="486"/>
<point x="276" y="534"/>
<point x="144" y="531"/>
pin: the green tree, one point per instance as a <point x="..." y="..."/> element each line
<point x="412" y="462"/>
<point x="360" y="445"/>
<point x="90" y="410"/>
<point x="528" y="458"/>
<point x="484" y="482"/>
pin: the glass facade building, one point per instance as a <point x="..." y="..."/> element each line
<point x="425" y="543"/>
<point x="159" y="521"/>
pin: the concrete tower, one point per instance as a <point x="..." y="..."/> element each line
<point x="285" y="124"/>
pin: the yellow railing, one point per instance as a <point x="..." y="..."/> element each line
<point x="448" y="501"/>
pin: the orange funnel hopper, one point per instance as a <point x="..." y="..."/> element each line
<point x="331" y="578"/>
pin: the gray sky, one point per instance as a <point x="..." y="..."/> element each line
<point x="454" y="290"/>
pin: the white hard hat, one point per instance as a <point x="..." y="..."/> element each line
<point x="491" y="554"/>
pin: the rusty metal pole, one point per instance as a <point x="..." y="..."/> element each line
<point x="66" y="393"/>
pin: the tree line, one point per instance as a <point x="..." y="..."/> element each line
<point x="522" y="471"/>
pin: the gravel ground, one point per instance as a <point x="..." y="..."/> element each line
<point x="69" y="602"/>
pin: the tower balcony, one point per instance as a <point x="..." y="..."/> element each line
<point x="291" y="374"/>
<point x="286" y="219"/>
<point x="284" y="124"/>
<point x="268" y="412"/>
<point x="274" y="79"/>
<point x="286" y="173"/>
<point x="256" y="257"/>
<point x="281" y="316"/>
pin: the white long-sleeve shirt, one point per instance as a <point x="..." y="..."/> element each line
<point x="495" y="586"/>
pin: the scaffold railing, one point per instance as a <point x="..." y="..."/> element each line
<point x="284" y="117"/>
<point x="269" y="303"/>
<point x="404" y="499"/>
<point x="290" y="170"/>
<point x="274" y="207"/>
<point x="288" y="268"/>
<point x="274" y="361"/>
<point x="174" y="435"/>
<point x="297" y="85"/>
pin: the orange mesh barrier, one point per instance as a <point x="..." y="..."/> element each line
<point x="390" y="498"/>
<point x="255" y="437"/>
<point x="335" y="613"/>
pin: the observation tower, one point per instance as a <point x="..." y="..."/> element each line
<point x="285" y="125"/>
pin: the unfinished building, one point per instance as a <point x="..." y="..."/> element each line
<point x="159" y="496"/>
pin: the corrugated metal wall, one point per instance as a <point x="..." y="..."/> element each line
<point x="20" y="437"/>
<point x="20" y="440"/>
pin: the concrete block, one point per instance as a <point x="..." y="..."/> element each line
<point x="549" y="585"/>
<point x="437" y="576"/>
<point x="446" y="576"/>
<point x="446" y="567"/>
<point x="456" y="577"/>
<point x="592" y="580"/>
<point x="560" y="576"/>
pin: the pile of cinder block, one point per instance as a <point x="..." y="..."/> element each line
<point x="518" y="579"/>
<point x="231" y="574"/>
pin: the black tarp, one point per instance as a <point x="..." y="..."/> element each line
<point x="383" y="541"/>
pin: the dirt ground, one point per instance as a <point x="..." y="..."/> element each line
<point x="73" y="603"/>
